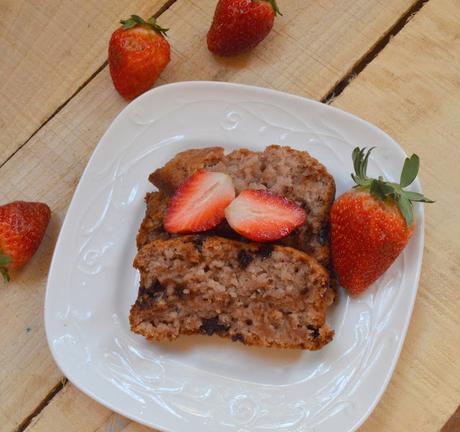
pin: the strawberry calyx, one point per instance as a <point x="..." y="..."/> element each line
<point x="5" y="261"/>
<point x="150" y="23"/>
<point x="385" y="190"/>
<point x="273" y="5"/>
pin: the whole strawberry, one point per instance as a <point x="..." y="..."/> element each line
<point x="239" y="25"/>
<point x="371" y="224"/>
<point x="22" y="226"/>
<point x="138" y="53"/>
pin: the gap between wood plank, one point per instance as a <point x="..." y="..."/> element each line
<point x="379" y="46"/>
<point x="54" y="391"/>
<point x="453" y="424"/>
<point x="339" y="87"/>
<point x="56" y="111"/>
<point x="159" y="12"/>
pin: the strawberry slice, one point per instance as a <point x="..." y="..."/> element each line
<point x="199" y="203"/>
<point x="262" y="216"/>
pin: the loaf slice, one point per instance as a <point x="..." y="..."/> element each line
<point x="263" y="295"/>
<point x="282" y="170"/>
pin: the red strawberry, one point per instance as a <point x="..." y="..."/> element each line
<point x="262" y="216"/>
<point x="199" y="203"/>
<point x="138" y="53"/>
<point x="22" y="226"/>
<point x="371" y="224"/>
<point x="239" y="25"/>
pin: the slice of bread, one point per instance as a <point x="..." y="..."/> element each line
<point x="263" y="295"/>
<point x="284" y="171"/>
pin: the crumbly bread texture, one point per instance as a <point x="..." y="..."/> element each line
<point x="183" y="165"/>
<point x="264" y="295"/>
<point x="152" y="225"/>
<point x="284" y="171"/>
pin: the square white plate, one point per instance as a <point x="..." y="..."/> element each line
<point x="209" y="384"/>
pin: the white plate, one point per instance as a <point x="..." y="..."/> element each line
<point x="209" y="384"/>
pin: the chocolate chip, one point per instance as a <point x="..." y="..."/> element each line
<point x="304" y="291"/>
<point x="179" y="290"/>
<point x="147" y="295"/>
<point x="314" y="331"/>
<point x="295" y="233"/>
<point x="198" y="243"/>
<point x="265" y="251"/>
<point x="244" y="258"/>
<point x="324" y="235"/>
<point x="238" y="337"/>
<point x="249" y="322"/>
<point x="153" y="289"/>
<point x="212" y="325"/>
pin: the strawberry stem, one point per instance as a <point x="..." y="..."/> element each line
<point x="151" y="23"/>
<point x="275" y="7"/>
<point x="5" y="261"/>
<point x="385" y="190"/>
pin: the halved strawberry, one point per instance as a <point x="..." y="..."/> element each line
<point x="199" y="203"/>
<point x="262" y="216"/>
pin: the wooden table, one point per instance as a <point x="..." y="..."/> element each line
<point x="395" y="63"/>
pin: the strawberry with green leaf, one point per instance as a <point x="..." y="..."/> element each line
<point x="372" y="223"/>
<point x="138" y="53"/>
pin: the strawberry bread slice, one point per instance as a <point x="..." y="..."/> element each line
<point x="258" y="294"/>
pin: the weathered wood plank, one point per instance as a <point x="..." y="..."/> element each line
<point x="49" y="49"/>
<point x="74" y="408"/>
<point x="27" y="371"/>
<point x="312" y="46"/>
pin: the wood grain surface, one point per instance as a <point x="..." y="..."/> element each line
<point x="411" y="90"/>
<point x="312" y="46"/>
<point x="49" y="49"/>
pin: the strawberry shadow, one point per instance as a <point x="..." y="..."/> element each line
<point x="227" y="65"/>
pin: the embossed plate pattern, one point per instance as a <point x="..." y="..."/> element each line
<point x="208" y="384"/>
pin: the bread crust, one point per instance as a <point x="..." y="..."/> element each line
<point x="183" y="165"/>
